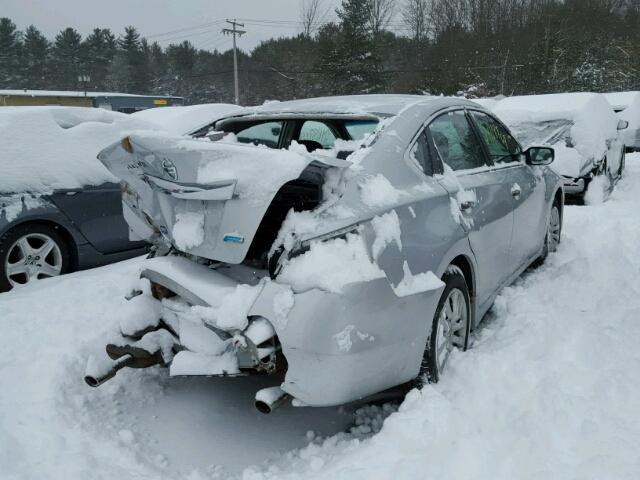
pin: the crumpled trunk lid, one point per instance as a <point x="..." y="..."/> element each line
<point x="206" y="198"/>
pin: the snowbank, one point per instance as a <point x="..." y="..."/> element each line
<point x="185" y="120"/>
<point x="47" y="148"/>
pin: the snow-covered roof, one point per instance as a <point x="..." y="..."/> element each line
<point x="488" y="103"/>
<point x="184" y="120"/>
<point x="593" y="124"/>
<point x="69" y="93"/>
<point x="48" y="148"/>
<point x="351" y="104"/>
<point x="621" y="100"/>
<point x="552" y="106"/>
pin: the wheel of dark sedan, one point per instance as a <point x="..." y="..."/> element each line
<point x="31" y="252"/>
<point x="450" y="329"/>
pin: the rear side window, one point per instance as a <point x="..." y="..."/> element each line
<point x="420" y="153"/>
<point x="267" y="133"/>
<point x="502" y="147"/>
<point x="456" y="142"/>
<point x="317" y="132"/>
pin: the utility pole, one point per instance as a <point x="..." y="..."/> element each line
<point x="234" y="31"/>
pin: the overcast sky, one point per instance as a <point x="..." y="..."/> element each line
<point x="199" y="21"/>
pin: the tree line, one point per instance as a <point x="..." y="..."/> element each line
<point x="473" y="47"/>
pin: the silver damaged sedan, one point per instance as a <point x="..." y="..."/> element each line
<point x="345" y="245"/>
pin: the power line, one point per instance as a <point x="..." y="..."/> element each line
<point x="234" y="31"/>
<point x="185" y="29"/>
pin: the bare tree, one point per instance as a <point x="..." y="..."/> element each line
<point x="312" y="14"/>
<point x="415" y="14"/>
<point x="380" y="13"/>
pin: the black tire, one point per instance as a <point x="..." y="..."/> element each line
<point x="548" y="246"/>
<point x="454" y="280"/>
<point x="8" y="239"/>
<point x="622" y="164"/>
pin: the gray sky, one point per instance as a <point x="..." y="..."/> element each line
<point x="153" y="17"/>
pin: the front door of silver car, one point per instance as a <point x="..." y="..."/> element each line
<point x="480" y="198"/>
<point x="526" y="186"/>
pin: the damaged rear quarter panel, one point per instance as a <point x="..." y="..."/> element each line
<point x="386" y="339"/>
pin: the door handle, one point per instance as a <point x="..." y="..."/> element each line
<point x="516" y="191"/>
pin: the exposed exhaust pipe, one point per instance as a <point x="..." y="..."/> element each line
<point x="268" y="399"/>
<point x="97" y="379"/>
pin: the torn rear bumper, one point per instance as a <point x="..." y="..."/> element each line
<point x="338" y="347"/>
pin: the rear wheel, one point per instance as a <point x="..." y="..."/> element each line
<point x="32" y="252"/>
<point x="450" y="328"/>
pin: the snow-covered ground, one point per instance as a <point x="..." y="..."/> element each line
<point x="549" y="389"/>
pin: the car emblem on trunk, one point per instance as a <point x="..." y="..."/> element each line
<point x="169" y="168"/>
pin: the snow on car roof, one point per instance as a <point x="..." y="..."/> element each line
<point x="48" y="148"/>
<point x="594" y="122"/>
<point x="552" y="106"/>
<point x="185" y="120"/>
<point x="621" y="100"/>
<point x="351" y="104"/>
<point x="488" y="103"/>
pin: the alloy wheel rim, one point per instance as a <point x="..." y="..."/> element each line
<point x="452" y="326"/>
<point x="32" y="257"/>
<point x="554" y="230"/>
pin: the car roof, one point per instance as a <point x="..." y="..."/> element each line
<point x="378" y="105"/>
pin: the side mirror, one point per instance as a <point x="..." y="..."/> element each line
<point x="540" y="155"/>
<point x="215" y="135"/>
<point x="623" y="124"/>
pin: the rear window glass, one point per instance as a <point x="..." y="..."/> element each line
<point x="358" y="129"/>
<point x="538" y="133"/>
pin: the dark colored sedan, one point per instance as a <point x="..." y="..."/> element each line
<point x="60" y="209"/>
<point x="61" y="232"/>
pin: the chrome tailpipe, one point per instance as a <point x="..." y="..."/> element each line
<point x="97" y="379"/>
<point x="268" y="399"/>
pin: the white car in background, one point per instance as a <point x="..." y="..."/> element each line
<point x="581" y="127"/>
<point x="627" y="107"/>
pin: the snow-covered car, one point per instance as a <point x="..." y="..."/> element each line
<point x="187" y="120"/>
<point x="627" y="107"/>
<point x="351" y="242"/>
<point x="581" y="127"/>
<point x="60" y="208"/>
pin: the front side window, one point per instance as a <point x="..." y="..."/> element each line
<point x="358" y="129"/>
<point x="502" y="147"/>
<point x="267" y="133"/>
<point x="456" y="142"/>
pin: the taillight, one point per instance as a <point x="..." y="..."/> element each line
<point x="126" y="145"/>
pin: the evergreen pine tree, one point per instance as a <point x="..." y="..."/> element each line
<point x="35" y="59"/>
<point x="98" y="50"/>
<point x="10" y="46"/>
<point x="136" y="75"/>
<point x="67" y="59"/>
